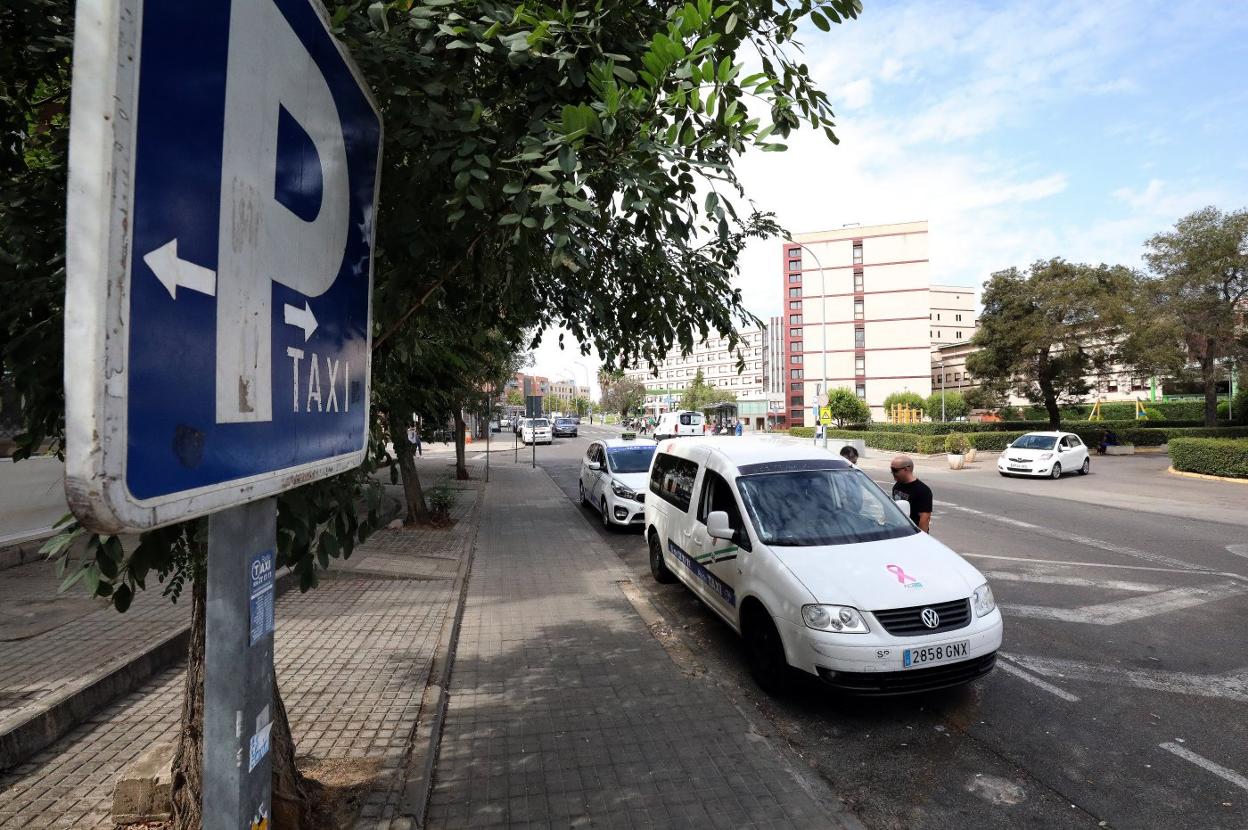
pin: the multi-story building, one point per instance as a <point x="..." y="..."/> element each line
<point x="541" y="384"/>
<point x="854" y="302"/>
<point x="952" y="314"/>
<point x="566" y="392"/>
<point x="718" y="363"/>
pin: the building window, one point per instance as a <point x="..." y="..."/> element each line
<point x="795" y="305"/>
<point x="957" y="335"/>
<point x="1113" y="387"/>
<point x="857" y="253"/>
<point x="796" y="415"/>
<point x="858" y="281"/>
<point x="795" y="400"/>
<point x="937" y="316"/>
<point x="795" y="265"/>
<point x="795" y="387"/>
<point x="797" y="346"/>
<point x="861" y="390"/>
<point x="860" y="338"/>
<point x="948" y="378"/>
<point x="860" y="365"/>
<point x="858" y="309"/>
<point x="937" y="334"/>
<point x="795" y="332"/>
<point x="794" y="319"/>
<point x="795" y="278"/>
<point x="795" y="374"/>
<point x="1137" y="385"/>
<point x="795" y="359"/>
<point x="795" y="292"/>
<point x="958" y="317"/>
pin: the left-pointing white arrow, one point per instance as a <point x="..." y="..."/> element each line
<point x="302" y="317"/>
<point x="173" y="272"/>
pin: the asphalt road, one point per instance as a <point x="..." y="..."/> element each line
<point x="1121" y="699"/>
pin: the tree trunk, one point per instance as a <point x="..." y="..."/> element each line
<point x="1049" y="395"/>
<point x="292" y="793"/>
<point x="1209" y="374"/>
<point x="413" y="494"/>
<point x="461" y="467"/>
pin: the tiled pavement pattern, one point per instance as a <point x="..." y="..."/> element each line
<point x="352" y="656"/>
<point x="566" y="712"/>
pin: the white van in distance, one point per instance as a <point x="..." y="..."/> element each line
<point x="674" y="424"/>
<point x="816" y="568"/>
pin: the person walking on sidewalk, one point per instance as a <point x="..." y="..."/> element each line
<point x="908" y="488"/>
<point x="413" y="438"/>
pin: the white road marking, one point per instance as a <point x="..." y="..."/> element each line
<point x="1010" y="668"/>
<point x="1231" y="686"/>
<point x="1039" y="577"/>
<point x="1238" y="550"/>
<point x="1132" y="608"/>
<point x="1205" y="764"/>
<point x="1076" y="538"/>
<point x="1100" y="565"/>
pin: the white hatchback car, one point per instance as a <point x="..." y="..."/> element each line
<point x="818" y="570"/>
<point x="1045" y="454"/>
<point x="535" y="431"/>
<point x="614" y="473"/>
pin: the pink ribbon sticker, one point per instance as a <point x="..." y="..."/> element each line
<point x="902" y="576"/>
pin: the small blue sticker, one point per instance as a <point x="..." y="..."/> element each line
<point x="261" y="574"/>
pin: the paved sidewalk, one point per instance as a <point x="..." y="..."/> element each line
<point x="353" y="657"/>
<point x="564" y="709"/>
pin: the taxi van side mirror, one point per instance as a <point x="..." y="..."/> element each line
<point x="717" y="525"/>
<point x="594" y="465"/>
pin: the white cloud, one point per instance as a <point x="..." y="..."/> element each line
<point x="855" y="94"/>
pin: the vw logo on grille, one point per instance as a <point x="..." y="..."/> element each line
<point x="930" y="618"/>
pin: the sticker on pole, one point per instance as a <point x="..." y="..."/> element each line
<point x="261" y="595"/>
<point x="224" y="163"/>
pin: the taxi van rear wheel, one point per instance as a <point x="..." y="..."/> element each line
<point x="658" y="568"/>
<point x="765" y="653"/>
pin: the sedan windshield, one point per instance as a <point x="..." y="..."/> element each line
<point x="539" y="423"/>
<point x="1034" y="442"/>
<point x="821" y="507"/>
<point x="630" y="459"/>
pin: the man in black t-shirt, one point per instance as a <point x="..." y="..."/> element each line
<point x="906" y="487"/>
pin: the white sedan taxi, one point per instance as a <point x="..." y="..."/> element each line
<point x="1045" y="454"/>
<point x="614" y="473"/>
<point x="816" y="568"/>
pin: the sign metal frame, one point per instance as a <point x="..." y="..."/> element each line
<point x="99" y="259"/>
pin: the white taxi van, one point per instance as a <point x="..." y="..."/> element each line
<point x="816" y="568"/>
<point x="676" y="424"/>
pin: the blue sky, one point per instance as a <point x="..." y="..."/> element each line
<point x="1019" y="130"/>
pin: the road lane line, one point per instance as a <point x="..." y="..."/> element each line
<point x="1231" y="686"/>
<point x="1100" y="565"/>
<point x="1010" y="668"/>
<point x="1205" y="764"/>
<point x="1077" y="539"/>
<point x="1238" y="550"/>
<point x="1077" y="581"/>
<point x="1130" y="609"/>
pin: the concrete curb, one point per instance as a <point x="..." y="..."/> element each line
<point x="26" y="551"/>
<point x="1206" y="477"/>
<point x="427" y="736"/>
<point x="43" y="728"/>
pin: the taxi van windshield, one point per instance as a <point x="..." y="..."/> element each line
<point x="630" y="459"/>
<point x="805" y="508"/>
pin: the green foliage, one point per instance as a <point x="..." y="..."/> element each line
<point x="847" y="408"/>
<point x="802" y="432"/>
<point x="701" y="394"/>
<point x="955" y="406"/>
<point x="623" y="395"/>
<point x="957" y="443"/>
<point x="1210" y="456"/>
<point x="441" y="499"/>
<point x="1194" y="312"/>
<point x="1044" y="331"/>
<point x="1239" y="404"/>
<point x="912" y="399"/>
<point x="983" y="397"/>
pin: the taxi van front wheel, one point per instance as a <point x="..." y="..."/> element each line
<point x="658" y="568"/>
<point x="765" y="652"/>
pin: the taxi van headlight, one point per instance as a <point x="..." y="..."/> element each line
<point x="841" y="619"/>
<point x="983" y="601"/>
<point x="622" y="491"/>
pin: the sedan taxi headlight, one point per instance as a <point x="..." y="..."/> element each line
<point x="622" y="491"/>
<point x="838" y="618"/>
<point x="1045" y="456"/>
<point x="983" y="601"/>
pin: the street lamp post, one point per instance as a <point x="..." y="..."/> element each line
<point x="942" y="387"/>
<point x="822" y="388"/>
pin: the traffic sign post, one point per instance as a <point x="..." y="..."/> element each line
<point x="223" y="180"/>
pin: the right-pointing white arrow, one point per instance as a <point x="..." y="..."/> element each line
<point x="173" y="272"/>
<point x="301" y="317"/>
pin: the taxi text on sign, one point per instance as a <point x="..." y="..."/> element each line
<point x="224" y="162"/>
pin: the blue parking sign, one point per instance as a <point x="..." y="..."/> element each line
<point x="224" y="162"/>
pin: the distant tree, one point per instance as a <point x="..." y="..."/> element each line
<point x="580" y="405"/>
<point x="847" y="408"/>
<point x="701" y="394"/>
<point x="913" y="399"/>
<point x="624" y="395"/>
<point x="515" y="397"/>
<point x="1044" y="331"/>
<point x="955" y="405"/>
<point x="1192" y="312"/>
<point x="983" y="397"/>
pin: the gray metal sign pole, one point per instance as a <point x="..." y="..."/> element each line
<point x="238" y="676"/>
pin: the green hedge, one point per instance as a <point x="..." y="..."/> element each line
<point x="944" y="428"/>
<point x="802" y="432"/>
<point x="1211" y="456"/>
<point x="1125" y="410"/>
<point x="998" y="440"/>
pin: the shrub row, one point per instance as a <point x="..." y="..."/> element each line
<point x="946" y="427"/>
<point x="1211" y="456"/>
<point x="998" y="440"/>
<point x="1125" y="410"/>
